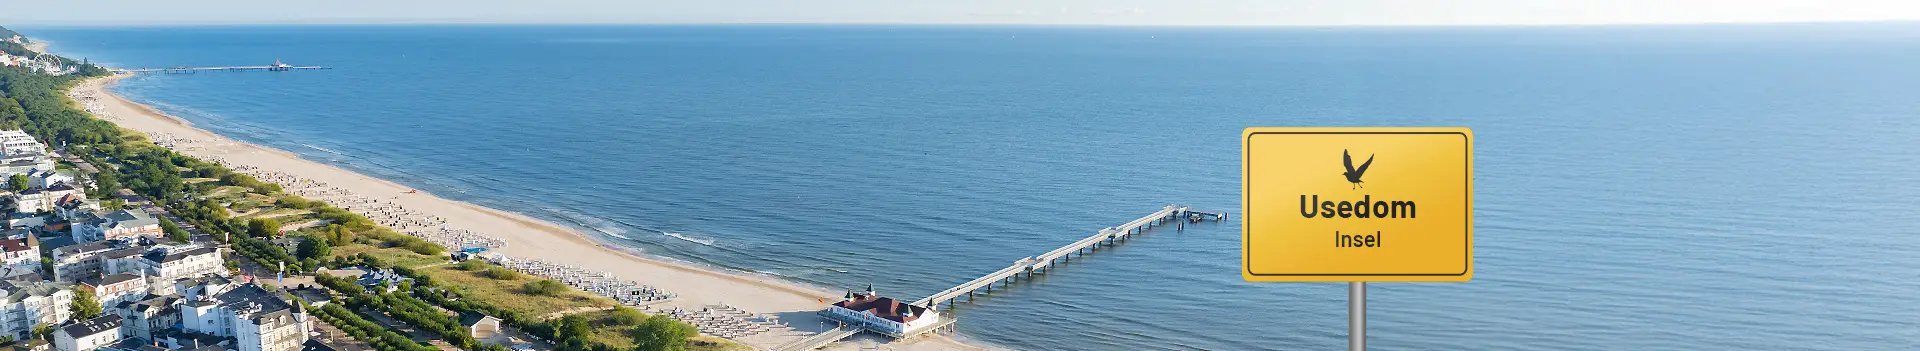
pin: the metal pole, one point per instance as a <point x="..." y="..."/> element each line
<point x="1357" y="316"/>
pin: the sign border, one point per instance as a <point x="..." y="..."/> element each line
<point x="1246" y="231"/>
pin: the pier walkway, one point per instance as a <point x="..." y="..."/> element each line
<point x="1039" y="264"/>
<point x="222" y="68"/>
<point x="1029" y="265"/>
<point x="819" y="340"/>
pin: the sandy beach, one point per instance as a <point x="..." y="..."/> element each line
<point x="526" y="237"/>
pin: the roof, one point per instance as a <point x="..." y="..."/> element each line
<point x="315" y="345"/>
<point x="312" y="295"/>
<point x="15" y="245"/>
<point x="56" y="241"/>
<point x="18" y="290"/>
<point x="30" y="221"/>
<point x="883" y="307"/>
<point x="171" y="254"/>
<point x="154" y="303"/>
<point x="90" y="247"/>
<point x="471" y="318"/>
<point x="103" y="324"/>
<point x="254" y="302"/>
<point x="122" y="253"/>
<point x="135" y="344"/>
<point x="111" y="279"/>
<point x="129" y="218"/>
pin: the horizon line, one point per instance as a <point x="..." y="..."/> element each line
<point x="948" y="24"/>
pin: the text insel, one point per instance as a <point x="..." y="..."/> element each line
<point x="1320" y="204"/>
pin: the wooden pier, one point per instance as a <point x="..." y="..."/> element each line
<point x="1039" y="264"/>
<point x="276" y="66"/>
<point x="819" y="340"/>
<point x="1030" y="265"/>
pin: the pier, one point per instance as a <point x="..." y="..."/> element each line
<point x="1006" y="276"/>
<point x="1039" y="264"/>
<point x="276" y="66"/>
<point x="819" y="340"/>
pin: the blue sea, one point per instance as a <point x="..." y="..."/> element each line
<point x="1639" y="188"/>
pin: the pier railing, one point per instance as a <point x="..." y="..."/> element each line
<point x="1038" y="264"/>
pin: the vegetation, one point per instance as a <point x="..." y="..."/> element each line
<point x="661" y="334"/>
<point x="471" y="265"/>
<point x="267" y="254"/>
<point x="338" y="234"/>
<point x="379" y="337"/>
<point x="9" y="33"/>
<point x="314" y="247"/>
<point x="17" y="182"/>
<point x="84" y="305"/>
<point x="43" y="331"/>
<point x="263" y="227"/>
<point x="174" y="232"/>
<point x="35" y="104"/>
<point x="500" y="273"/>
<point x="346" y="287"/>
<point x="405" y="308"/>
<point x="544" y="287"/>
<point x="626" y="328"/>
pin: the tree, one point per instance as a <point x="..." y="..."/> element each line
<point x="314" y="247"/>
<point x="104" y="184"/>
<point x="573" y="327"/>
<point x="84" y="307"/>
<point x="173" y="231"/>
<point x="17" y="182"/>
<point x="662" y="334"/>
<point x="626" y="316"/>
<point x="263" y="227"/>
<point x="42" y="331"/>
<point x="339" y="234"/>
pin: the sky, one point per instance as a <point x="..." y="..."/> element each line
<point x="1043" y="12"/>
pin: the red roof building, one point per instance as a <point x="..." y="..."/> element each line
<point x="883" y="314"/>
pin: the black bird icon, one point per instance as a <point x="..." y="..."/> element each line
<point x="1353" y="174"/>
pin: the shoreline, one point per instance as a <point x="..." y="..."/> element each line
<point x="528" y="236"/>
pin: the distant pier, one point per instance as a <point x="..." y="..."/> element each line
<point x="1006" y="276"/>
<point x="1039" y="264"/>
<point x="276" y="66"/>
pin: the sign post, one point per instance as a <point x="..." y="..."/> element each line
<point x="1357" y="316"/>
<point x="1357" y="205"/>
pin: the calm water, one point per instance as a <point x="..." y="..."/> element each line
<point x="1640" y="188"/>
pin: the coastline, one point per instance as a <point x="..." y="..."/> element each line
<point x="527" y="237"/>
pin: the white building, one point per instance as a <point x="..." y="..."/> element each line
<point x="15" y="142"/>
<point x="30" y="303"/>
<point x="172" y="262"/>
<point x="160" y="262"/>
<point x="87" y="335"/>
<point x="23" y="163"/>
<point x="47" y="199"/>
<point x="257" y="319"/>
<point x="42" y="178"/>
<point x="111" y="290"/>
<point x="141" y="318"/>
<point x="119" y="224"/>
<point x="22" y="253"/>
<point x="74" y="262"/>
<point x="883" y="315"/>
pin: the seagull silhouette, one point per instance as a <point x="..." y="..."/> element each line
<point x="1353" y="174"/>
